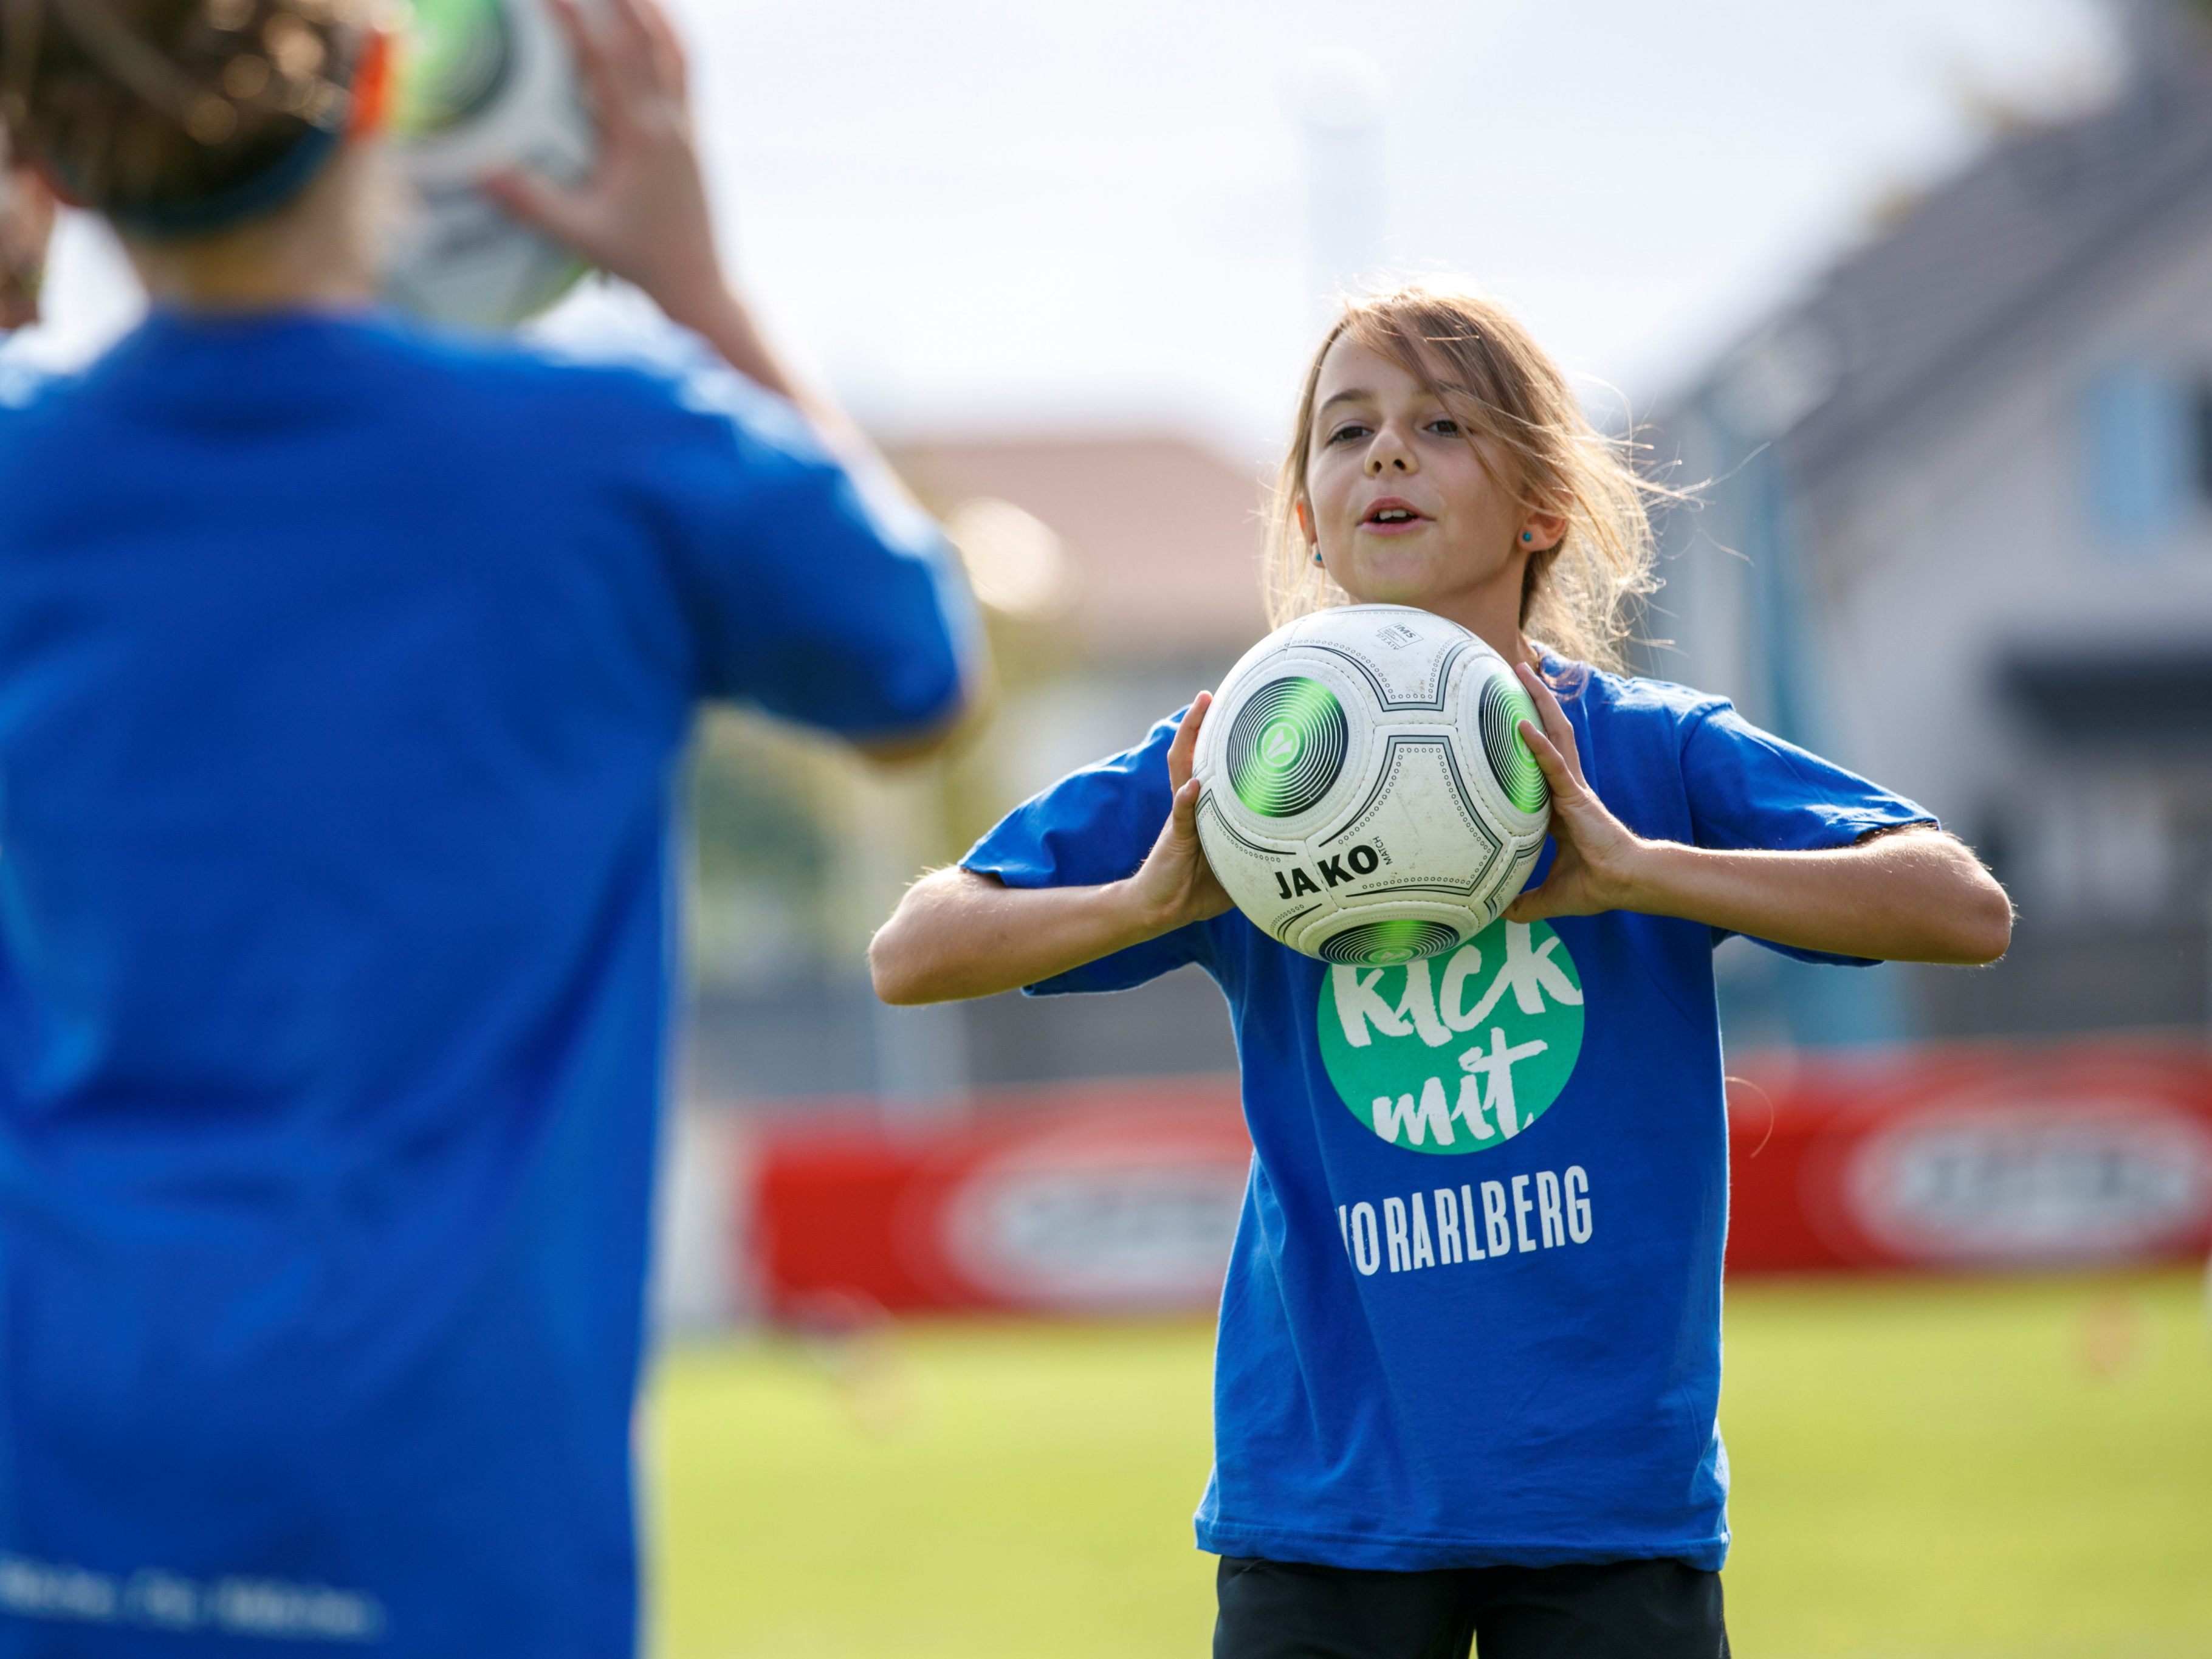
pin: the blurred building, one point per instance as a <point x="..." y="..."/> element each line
<point x="1118" y="575"/>
<point x="1959" y="536"/>
<point x="1134" y="561"/>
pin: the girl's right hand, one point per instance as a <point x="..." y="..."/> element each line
<point x="1175" y="885"/>
<point x="959" y="933"/>
<point x="642" y="214"/>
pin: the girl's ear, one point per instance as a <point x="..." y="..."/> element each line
<point x="373" y="87"/>
<point x="1541" y="531"/>
<point x="1305" y="520"/>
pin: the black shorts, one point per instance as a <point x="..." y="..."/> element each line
<point x="1614" y="1610"/>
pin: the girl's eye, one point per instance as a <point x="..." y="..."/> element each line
<point x="1350" y="429"/>
<point x="1444" y="425"/>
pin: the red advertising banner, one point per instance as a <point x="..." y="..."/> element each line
<point x="1972" y="1158"/>
<point x="1120" y="1198"/>
<point x="1124" y="1197"/>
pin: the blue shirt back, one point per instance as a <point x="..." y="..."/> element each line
<point x="343" y="673"/>
<point x="1473" y="1313"/>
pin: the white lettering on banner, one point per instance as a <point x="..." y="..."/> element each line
<point x="1142" y="1230"/>
<point x="154" y="1599"/>
<point x="1366" y="1245"/>
<point x="1561" y="1205"/>
<point x="2044" y="1181"/>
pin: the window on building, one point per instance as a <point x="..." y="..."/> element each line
<point x="2200" y="435"/>
<point x="2147" y="434"/>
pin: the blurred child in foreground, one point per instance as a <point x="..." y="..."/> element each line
<point x="343" y="670"/>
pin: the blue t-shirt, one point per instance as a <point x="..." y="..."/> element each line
<point x="1472" y="1316"/>
<point x="343" y="673"/>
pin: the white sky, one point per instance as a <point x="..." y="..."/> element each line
<point x="992" y="215"/>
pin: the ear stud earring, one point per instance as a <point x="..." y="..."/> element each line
<point x="1527" y="536"/>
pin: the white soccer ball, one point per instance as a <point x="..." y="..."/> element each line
<point x="1366" y="795"/>
<point x="489" y="85"/>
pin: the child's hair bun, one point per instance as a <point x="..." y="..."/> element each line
<point x="175" y="117"/>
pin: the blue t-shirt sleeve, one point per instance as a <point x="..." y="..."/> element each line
<point x="1093" y="827"/>
<point x="817" y="594"/>
<point x="1748" y="790"/>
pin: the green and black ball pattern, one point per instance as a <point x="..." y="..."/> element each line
<point x="1504" y="706"/>
<point x="1393" y="940"/>
<point x="1286" y="746"/>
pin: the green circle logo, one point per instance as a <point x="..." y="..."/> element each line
<point x="1505" y="705"/>
<point x="1394" y="939"/>
<point x="1286" y="746"/>
<point x="1456" y="1053"/>
<point x="1279" y="747"/>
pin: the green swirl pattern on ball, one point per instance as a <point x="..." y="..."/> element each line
<point x="459" y="54"/>
<point x="1286" y="746"/>
<point x="1393" y="940"/>
<point x="1504" y="706"/>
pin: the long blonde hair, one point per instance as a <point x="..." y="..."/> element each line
<point x="1579" y="596"/>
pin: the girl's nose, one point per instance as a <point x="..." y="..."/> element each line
<point x="1388" y="452"/>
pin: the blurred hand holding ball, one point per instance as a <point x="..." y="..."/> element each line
<point x="1367" y="795"/>
<point x="487" y="88"/>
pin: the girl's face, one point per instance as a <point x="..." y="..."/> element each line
<point x="1404" y="509"/>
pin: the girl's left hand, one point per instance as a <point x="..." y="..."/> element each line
<point x="1599" y="858"/>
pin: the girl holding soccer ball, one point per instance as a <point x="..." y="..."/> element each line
<point x="1472" y="1398"/>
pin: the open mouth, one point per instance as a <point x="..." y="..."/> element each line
<point x="1392" y="514"/>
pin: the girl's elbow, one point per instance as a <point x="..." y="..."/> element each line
<point x="1986" y="925"/>
<point x="895" y="976"/>
<point x="1998" y="940"/>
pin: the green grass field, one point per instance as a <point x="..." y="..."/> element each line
<point x="1993" y="1469"/>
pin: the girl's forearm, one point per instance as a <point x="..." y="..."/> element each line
<point x="718" y="316"/>
<point x="958" y="934"/>
<point x="1915" y="895"/>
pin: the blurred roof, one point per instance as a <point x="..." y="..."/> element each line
<point x="1163" y="537"/>
<point x="1982" y="266"/>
